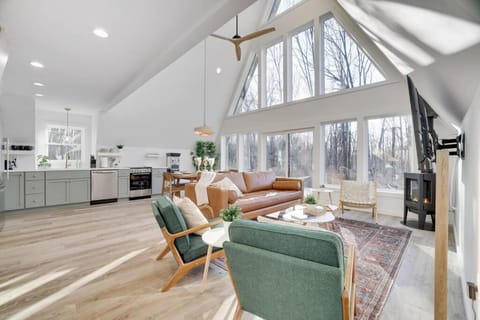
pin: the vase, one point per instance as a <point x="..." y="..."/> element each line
<point x="226" y="226"/>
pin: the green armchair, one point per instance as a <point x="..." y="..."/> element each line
<point x="282" y="272"/>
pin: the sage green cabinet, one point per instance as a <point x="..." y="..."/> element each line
<point x="157" y="180"/>
<point x="15" y="191"/>
<point x="65" y="187"/>
<point x="34" y="189"/>
<point x="123" y="183"/>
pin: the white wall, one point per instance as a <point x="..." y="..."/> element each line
<point x="47" y="117"/>
<point x="467" y="215"/>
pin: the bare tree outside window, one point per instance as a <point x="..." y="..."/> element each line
<point x="249" y="143"/>
<point x="274" y="74"/>
<point x="346" y="65"/>
<point x="340" y="152"/>
<point x="280" y="6"/>
<point x="389" y="150"/>
<point x="231" y="155"/>
<point x="277" y="154"/>
<point x="248" y="100"/>
<point x="58" y="145"/>
<point x="301" y="156"/>
<point x="303" y="70"/>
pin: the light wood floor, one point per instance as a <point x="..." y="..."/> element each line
<point x="98" y="262"/>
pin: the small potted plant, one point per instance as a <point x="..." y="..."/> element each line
<point x="310" y="201"/>
<point x="229" y="214"/>
<point x="43" y="161"/>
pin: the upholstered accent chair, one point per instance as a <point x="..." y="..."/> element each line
<point x="359" y="195"/>
<point x="281" y="272"/>
<point x="187" y="248"/>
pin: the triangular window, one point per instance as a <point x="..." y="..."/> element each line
<point x="346" y="65"/>
<point x="280" y="6"/>
<point x="248" y="100"/>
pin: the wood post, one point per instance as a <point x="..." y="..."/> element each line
<point x="441" y="236"/>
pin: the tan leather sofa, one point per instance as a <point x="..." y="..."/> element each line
<point x="263" y="193"/>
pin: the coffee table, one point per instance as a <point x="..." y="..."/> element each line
<point x="213" y="238"/>
<point x="293" y="216"/>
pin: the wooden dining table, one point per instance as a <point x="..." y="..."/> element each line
<point x="191" y="176"/>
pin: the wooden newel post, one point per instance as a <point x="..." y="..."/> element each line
<point x="441" y="236"/>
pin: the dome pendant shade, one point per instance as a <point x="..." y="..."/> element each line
<point x="204" y="131"/>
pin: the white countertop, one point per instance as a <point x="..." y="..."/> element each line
<point x="67" y="169"/>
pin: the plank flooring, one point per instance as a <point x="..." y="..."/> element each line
<point x="98" y="262"/>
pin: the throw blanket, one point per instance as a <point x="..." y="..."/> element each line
<point x="201" y="187"/>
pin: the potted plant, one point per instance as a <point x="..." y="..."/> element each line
<point x="229" y="214"/>
<point x="43" y="161"/>
<point x="310" y="201"/>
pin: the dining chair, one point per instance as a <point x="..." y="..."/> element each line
<point x="172" y="185"/>
<point x="187" y="248"/>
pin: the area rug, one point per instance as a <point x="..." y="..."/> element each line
<point x="379" y="253"/>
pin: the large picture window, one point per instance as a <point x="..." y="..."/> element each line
<point x="389" y="150"/>
<point x="274" y="74"/>
<point x="280" y="6"/>
<point x="59" y="145"/>
<point x="249" y="150"/>
<point x="290" y="155"/>
<point x="340" y="151"/>
<point x="303" y="70"/>
<point x="345" y="64"/>
<point x="231" y="151"/>
<point x="248" y="100"/>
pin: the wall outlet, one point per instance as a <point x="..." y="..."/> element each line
<point x="472" y="290"/>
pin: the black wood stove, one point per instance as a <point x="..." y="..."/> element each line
<point x="420" y="197"/>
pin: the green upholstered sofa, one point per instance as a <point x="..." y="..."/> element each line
<point x="282" y="272"/>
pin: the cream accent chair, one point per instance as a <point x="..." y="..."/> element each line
<point x="359" y="195"/>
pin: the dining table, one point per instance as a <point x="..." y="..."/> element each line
<point x="190" y="176"/>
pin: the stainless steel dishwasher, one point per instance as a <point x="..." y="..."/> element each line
<point x="104" y="186"/>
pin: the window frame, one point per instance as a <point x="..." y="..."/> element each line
<point x="64" y="127"/>
<point x="263" y="82"/>
<point x="254" y="64"/>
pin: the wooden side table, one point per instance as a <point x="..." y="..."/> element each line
<point x="319" y="191"/>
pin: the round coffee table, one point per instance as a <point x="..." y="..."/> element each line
<point x="324" y="219"/>
<point x="213" y="238"/>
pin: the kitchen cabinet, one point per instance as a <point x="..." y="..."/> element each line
<point x="123" y="183"/>
<point x="34" y="189"/>
<point x="157" y="180"/>
<point x="15" y="191"/>
<point x="65" y="187"/>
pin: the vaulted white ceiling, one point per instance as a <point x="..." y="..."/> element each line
<point x="88" y="73"/>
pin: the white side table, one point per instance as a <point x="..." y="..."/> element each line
<point x="213" y="238"/>
<point x="319" y="191"/>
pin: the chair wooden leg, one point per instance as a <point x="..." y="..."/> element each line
<point x="181" y="271"/>
<point x="238" y="312"/>
<point x="374" y="214"/>
<point x="163" y="253"/>
<point x="342" y="208"/>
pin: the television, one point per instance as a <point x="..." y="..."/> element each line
<point x="426" y="139"/>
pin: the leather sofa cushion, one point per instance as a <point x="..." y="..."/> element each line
<point x="257" y="181"/>
<point x="235" y="177"/>
<point x="286" y="185"/>
<point x="262" y="199"/>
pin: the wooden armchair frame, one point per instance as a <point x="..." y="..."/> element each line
<point x="372" y="204"/>
<point x="348" y="294"/>
<point x="171" y="185"/>
<point x="183" y="267"/>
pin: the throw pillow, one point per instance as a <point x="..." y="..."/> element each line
<point x="191" y="213"/>
<point x="227" y="184"/>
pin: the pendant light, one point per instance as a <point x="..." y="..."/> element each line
<point x="204" y="131"/>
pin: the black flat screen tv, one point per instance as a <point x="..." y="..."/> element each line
<point x="425" y="137"/>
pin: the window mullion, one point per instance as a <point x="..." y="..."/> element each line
<point x="316" y="56"/>
<point x="320" y="59"/>
<point x="287" y="69"/>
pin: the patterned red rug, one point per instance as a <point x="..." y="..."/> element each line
<point x="379" y="253"/>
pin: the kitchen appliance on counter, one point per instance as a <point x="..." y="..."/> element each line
<point x="173" y="162"/>
<point x="104" y="186"/>
<point x="140" y="183"/>
<point x="93" y="162"/>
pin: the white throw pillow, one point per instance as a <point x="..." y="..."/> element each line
<point x="191" y="213"/>
<point x="227" y="184"/>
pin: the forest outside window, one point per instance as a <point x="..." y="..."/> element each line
<point x="274" y="74"/>
<point x="231" y="151"/>
<point x="302" y="66"/>
<point x="248" y="100"/>
<point x="280" y="6"/>
<point x="249" y="145"/>
<point x="340" y="152"/>
<point x="389" y="151"/>
<point x="58" y="145"/>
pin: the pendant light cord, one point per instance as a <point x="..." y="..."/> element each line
<point x="204" y="82"/>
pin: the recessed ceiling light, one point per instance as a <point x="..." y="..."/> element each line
<point x="38" y="84"/>
<point x="219" y="70"/>
<point x="99" y="32"/>
<point x="39" y="94"/>
<point x="36" y="64"/>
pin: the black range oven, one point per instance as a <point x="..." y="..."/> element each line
<point x="140" y="183"/>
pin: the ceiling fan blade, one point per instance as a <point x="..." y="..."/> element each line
<point x="238" y="51"/>
<point x="257" y="34"/>
<point x="222" y="37"/>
